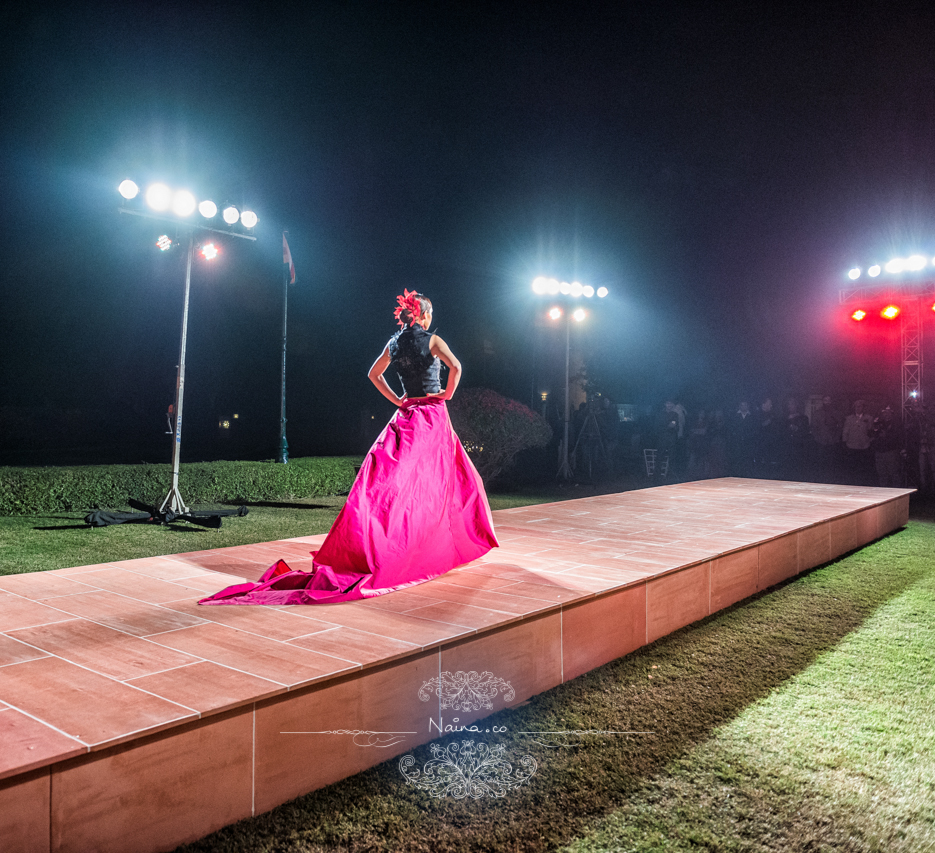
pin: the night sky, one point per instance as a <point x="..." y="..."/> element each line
<point x="717" y="166"/>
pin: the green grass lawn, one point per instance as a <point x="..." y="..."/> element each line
<point x="62" y="540"/>
<point x="800" y="720"/>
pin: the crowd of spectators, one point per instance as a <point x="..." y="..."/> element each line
<point x="822" y="444"/>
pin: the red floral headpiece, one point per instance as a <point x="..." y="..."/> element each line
<point x="409" y="301"/>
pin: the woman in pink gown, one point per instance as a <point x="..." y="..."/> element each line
<point x="417" y="508"/>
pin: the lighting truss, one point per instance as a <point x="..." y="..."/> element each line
<point x="913" y="299"/>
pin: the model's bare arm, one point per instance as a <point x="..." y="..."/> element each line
<point x="379" y="380"/>
<point x="440" y="349"/>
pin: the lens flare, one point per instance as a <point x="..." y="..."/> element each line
<point x="158" y="197"/>
<point x="128" y="189"/>
<point x="183" y="204"/>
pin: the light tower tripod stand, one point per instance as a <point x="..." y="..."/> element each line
<point x="591" y="433"/>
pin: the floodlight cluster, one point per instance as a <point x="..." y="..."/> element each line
<point x="556" y="313"/>
<point x="895" y="266"/>
<point x="543" y="286"/>
<point x="889" y="311"/>
<point x="182" y="203"/>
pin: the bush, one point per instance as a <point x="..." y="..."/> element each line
<point x="30" y="491"/>
<point x="493" y="429"/>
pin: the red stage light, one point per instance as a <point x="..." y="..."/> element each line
<point x="859" y="315"/>
<point x="891" y="312"/>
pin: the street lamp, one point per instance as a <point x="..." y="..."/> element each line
<point x="182" y="203"/>
<point x="568" y="293"/>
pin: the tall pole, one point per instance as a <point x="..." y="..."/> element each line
<point x="564" y="469"/>
<point x="283" y="444"/>
<point x="173" y="501"/>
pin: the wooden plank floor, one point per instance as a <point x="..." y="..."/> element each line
<point x="115" y="685"/>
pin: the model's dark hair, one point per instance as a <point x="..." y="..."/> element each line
<point x="406" y="313"/>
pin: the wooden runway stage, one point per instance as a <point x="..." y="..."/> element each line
<point x="133" y="719"/>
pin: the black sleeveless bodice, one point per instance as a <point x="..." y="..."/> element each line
<point x="418" y="369"/>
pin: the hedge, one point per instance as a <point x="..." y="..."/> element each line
<point x="495" y="429"/>
<point x="30" y="491"/>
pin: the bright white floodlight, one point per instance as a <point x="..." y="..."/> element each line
<point x="602" y="292"/>
<point x="158" y="197"/>
<point x="248" y="219"/>
<point x="874" y="271"/>
<point x="540" y="285"/>
<point x="208" y="209"/>
<point x="183" y="204"/>
<point x="564" y="288"/>
<point x="231" y="215"/>
<point x="588" y="291"/>
<point x="854" y="274"/>
<point x="576" y="289"/>
<point x="579" y="314"/>
<point x="916" y="262"/>
<point x="896" y="265"/>
<point x="128" y="189"/>
<point x="555" y="313"/>
<point x="552" y="287"/>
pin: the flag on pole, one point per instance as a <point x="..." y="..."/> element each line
<point x="287" y="259"/>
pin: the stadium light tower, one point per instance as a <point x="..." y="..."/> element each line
<point x="177" y="207"/>
<point x="566" y="294"/>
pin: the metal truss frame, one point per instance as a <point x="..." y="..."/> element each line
<point x="913" y="296"/>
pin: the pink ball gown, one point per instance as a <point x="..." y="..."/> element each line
<point x="416" y="510"/>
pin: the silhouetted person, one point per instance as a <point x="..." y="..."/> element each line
<point x="742" y="441"/>
<point x="698" y="443"/>
<point x="667" y="438"/>
<point x="856" y="438"/>
<point x="769" y="441"/>
<point x="796" y="439"/>
<point x="915" y="435"/>
<point x="827" y="426"/>
<point x="717" y="445"/>
<point x="886" y="440"/>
